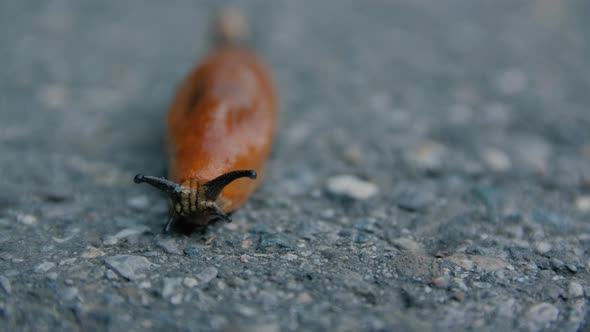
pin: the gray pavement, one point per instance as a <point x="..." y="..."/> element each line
<point x="432" y="171"/>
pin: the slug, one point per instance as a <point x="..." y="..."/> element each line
<point x="220" y="130"/>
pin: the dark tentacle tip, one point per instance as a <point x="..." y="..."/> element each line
<point x="138" y="178"/>
<point x="253" y="174"/>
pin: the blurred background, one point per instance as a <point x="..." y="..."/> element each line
<point x="476" y="109"/>
<point x="492" y="84"/>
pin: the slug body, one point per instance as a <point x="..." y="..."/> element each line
<point x="220" y="131"/>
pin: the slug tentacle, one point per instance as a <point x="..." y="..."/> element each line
<point x="215" y="186"/>
<point x="164" y="185"/>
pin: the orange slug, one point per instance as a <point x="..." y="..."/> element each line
<point x="220" y="130"/>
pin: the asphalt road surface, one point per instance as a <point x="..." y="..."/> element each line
<point x="432" y="170"/>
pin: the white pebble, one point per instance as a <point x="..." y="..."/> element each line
<point x="207" y="275"/>
<point x="113" y="239"/>
<point x="351" y="187"/>
<point x="190" y="282"/>
<point x="544" y="247"/>
<point x="583" y="203"/>
<point x="44" y="267"/>
<point x="170" y="286"/>
<point x="176" y="299"/>
<point x="27" y="219"/>
<point x="574" y="290"/>
<point x="497" y="159"/>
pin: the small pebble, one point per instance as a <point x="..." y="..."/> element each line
<point x="244" y="259"/>
<point x="171" y="286"/>
<point x="111" y="275"/>
<point x="353" y="154"/>
<point x="361" y="237"/>
<point x="68" y="261"/>
<point x="27" y="219"/>
<point x="129" y="266"/>
<point x="440" y="282"/>
<point x="69" y="293"/>
<point x="368" y="225"/>
<point x="5" y="284"/>
<point x="147" y="324"/>
<point x="44" y="267"/>
<point x="169" y="246"/>
<point x="409" y="245"/>
<point x="540" y="316"/>
<point x="543" y="247"/>
<point x="93" y="253"/>
<point x="246" y="311"/>
<point x="575" y="290"/>
<point x="497" y="160"/>
<point x="461" y="260"/>
<point x="304" y="298"/>
<point x="176" y="299"/>
<point x="488" y="264"/>
<point x="583" y="203"/>
<point x="557" y="264"/>
<point x="415" y="200"/>
<point x="351" y="187"/>
<point x="207" y="275"/>
<point x="506" y="309"/>
<point x="113" y="239"/>
<point x="190" y="282"/>
<point x="51" y="276"/>
<point x="192" y="251"/>
<point x="290" y="257"/>
<point x="114" y="299"/>
<point x="459" y="296"/>
<point x="277" y="241"/>
<point x="535" y="153"/>
<point x="427" y="156"/>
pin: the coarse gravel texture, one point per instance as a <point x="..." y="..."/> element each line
<point x="455" y="136"/>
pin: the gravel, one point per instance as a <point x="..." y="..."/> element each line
<point x="431" y="171"/>
<point x="44" y="267"/>
<point x="129" y="266"/>
<point x="540" y="316"/>
<point x="207" y="275"/>
<point x="5" y="284"/>
<point x="351" y="187"/>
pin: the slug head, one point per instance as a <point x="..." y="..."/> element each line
<point x="192" y="200"/>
